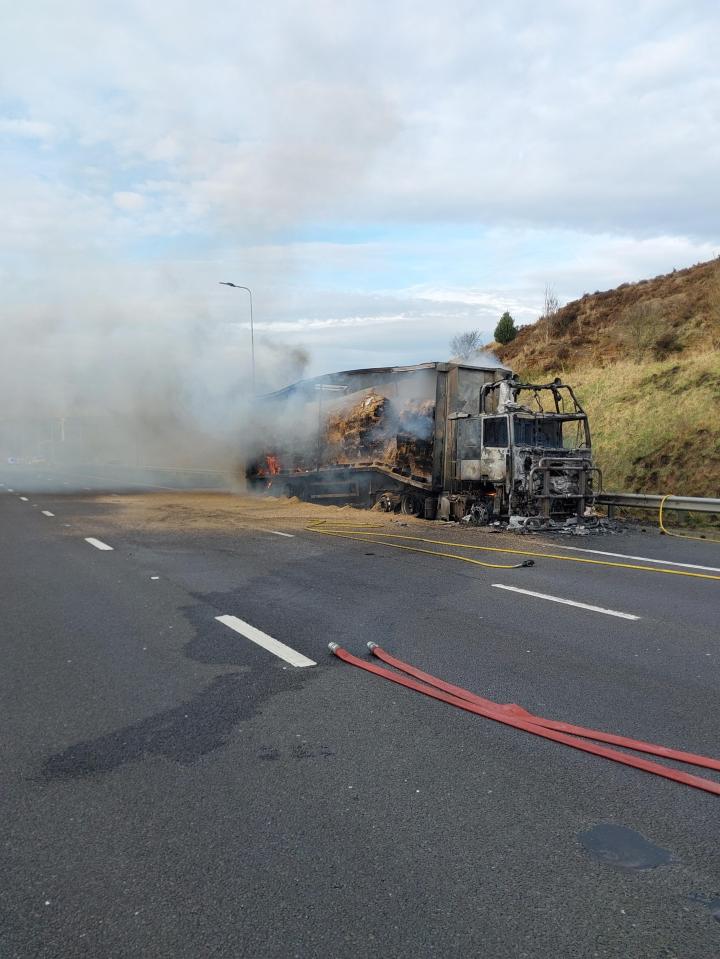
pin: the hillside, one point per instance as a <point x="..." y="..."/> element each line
<point x="645" y="361"/>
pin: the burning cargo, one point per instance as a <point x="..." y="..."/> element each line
<point x="445" y="439"/>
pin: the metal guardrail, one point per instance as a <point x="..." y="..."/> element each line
<point x="694" y="504"/>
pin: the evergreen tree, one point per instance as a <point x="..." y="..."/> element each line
<point x="506" y="329"/>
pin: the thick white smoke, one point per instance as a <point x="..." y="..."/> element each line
<point x="161" y="383"/>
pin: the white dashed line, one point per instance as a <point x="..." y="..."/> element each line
<point x="567" y="602"/>
<point x="277" y="532"/>
<point x="97" y="543"/>
<point x="24" y="499"/>
<point x="644" y="559"/>
<point x="154" y="577"/>
<point x="267" y="642"/>
<point x="46" y="512"/>
<point x="10" y="490"/>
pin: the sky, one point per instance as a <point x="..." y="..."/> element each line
<point x="382" y="175"/>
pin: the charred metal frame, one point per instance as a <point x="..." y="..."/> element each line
<point x="518" y="387"/>
<point x="577" y="465"/>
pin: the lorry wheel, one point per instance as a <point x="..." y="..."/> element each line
<point x="479" y="514"/>
<point x="411" y="505"/>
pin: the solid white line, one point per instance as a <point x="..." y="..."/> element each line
<point x="46" y="512"/>
<point x="644" y="559"/>
<point x="567" y="602"/>
<point x="267" y="642"/>
<point x="24" y="499"/>
<point x="97" y="543"/>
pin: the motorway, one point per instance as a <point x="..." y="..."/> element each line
<point x="173" y="789"/>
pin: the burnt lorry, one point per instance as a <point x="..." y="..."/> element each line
<point x="440" y="440"/>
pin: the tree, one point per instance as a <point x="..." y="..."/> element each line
<point x="506" y="330"/>
<point x="550" y="309"/>
<point x="465" y="344"/>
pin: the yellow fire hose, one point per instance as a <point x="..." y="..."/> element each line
<point x="356" y="532"/>
<point x="360" y="531"/>
<point x="667" y="532"/>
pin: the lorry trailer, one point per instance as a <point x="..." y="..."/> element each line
<point x="446" y="440"/>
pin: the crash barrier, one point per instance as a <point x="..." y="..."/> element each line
<point x="690" y="504"/>
<point x="367" y="533"/>
<point x="509" y="714"/>
<point x="685" y="504"/>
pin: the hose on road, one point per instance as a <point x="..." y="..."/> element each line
<point x="638" y="744"/>
<point x="360" y="531"/>
<point x="356" y="532"/>
<point x="668" y="532"/>
<point x="518" y="718"/>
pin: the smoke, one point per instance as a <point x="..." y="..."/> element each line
<point x="145" y="382"/>
<point x="483" y="357"/>
<point x="486" y="358"/>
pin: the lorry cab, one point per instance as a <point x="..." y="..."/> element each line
<point x="524" y="460"/>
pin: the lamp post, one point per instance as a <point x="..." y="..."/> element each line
<point x="236" y="286"/>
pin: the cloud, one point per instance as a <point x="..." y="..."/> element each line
<point x="26" y="129"/>
<point x="129" y="201"/>
<point x="382" y="176"/>
<point x="542" y="115"/>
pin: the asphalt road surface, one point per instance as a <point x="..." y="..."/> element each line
<point x="173" y="789"/>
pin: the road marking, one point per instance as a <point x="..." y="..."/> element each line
<point x="277" y="532"/>
<point x="644" y="559"/>
<point x="567" y="602"/>
<point x="10" y="490"/>
<point x="154" y="577"/>
<point x="97" y="543"/>
<point x="46" y="512"/>
<point x="24" y="499"/>
<point x="267" y="642"/>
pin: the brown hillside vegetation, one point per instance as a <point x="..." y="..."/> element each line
<point x="645" y="360"/>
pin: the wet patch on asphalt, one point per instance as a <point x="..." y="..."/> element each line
<point x="183" y="734"/>
<point x="712" y="904"/>
<point x="624" y="848"/>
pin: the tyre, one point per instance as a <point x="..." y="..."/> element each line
<point x="411" y="505"/>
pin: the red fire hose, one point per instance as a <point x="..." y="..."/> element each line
<point x="518" y="718"/>
<point x="637" y="744"/>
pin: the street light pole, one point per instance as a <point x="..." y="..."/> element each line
<point x="236" y="286"/>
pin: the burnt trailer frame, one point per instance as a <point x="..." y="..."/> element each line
<point x="452" y="388"/>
